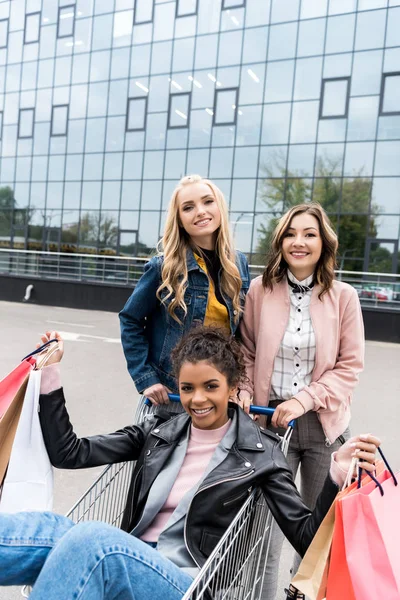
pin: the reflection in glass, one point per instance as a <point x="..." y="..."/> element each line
<point x="276" y="121"/>
<point x="156" y="131"/>
<point x="272" y="161"/>
<point x="335" y="98"/>
<point x="370" y="31"/>
<point x="225" y="106"/>
<point x="179" y="110"/>
<point x="122" y="32"/>
<point x="243" y="194"/>
<point x="359" y="159"/>
<point x="151" y="195"/>
<point x="363" y="114"/>
<point x="186" y="7"/>
<point x="95" y="133"/>
<point x="246" y="162"/>
<point x="72" y="194"/>
<point x="301" y="160"/>
<point x="100" y="65"/>
<point x="282" y="41"/>
<point x="248" y="126"/>
<point x="136" y="117"/>
<point x="111" y="194"/>
<point x="3" y="33"/>
<point x="221" y="162"/>
<point x="175" y="162"/>
<point x="242" y="226"/>
<point x="284" y="11"/>
<point x="66" y="21"/>
<point x="26" y="120"/>
<point x="183" y="55"/>
<point x="148" y="232"/>
<point x="32" y="28"/>
<point x="304" y="122"/>
<point x="308" y="78"/>
<point x="255" y="44"/>
<point x="197" y="162"/>
<point x="387" y="158"/>
<point x="389" y="128"/>
<point x="59" y="120"/>
<point x="393" y="28"/>
<point x="367" y="70"/>
<point x="130" y="197"/>
<point x="340" y="34"/>
<point x="206" y="51"/>
<point x="386" y="194"/>
<point x="230" y="48"/>
<point x="252" y="84"/>
<point x="390" y="101"/>
<point x="144" y="11"/>
<point x="153" y="165"/>
<point x="133" y="163"/>
<point x="311" y="37"/>
<point x="313" y="8"/>
<point x="279" y="84"/>
<point x="113" y="165"/>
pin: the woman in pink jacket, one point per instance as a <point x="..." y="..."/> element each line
<point x="303" y="340"/>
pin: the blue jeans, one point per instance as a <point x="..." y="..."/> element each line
<point x="88" y="561"/>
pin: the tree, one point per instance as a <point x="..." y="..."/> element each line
<point x="11" y="216"/>
<point x="351" y="194"/>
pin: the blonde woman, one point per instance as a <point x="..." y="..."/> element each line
<point x="198" y="278"/>
<point x="303" y="339"/>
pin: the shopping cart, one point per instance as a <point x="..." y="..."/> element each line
<point x="235" y="569"/>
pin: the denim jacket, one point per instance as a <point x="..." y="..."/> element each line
<point x="149" y="333"/>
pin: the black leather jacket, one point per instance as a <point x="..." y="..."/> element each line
<point x="255" y="459"/>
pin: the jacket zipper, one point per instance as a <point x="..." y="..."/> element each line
<point x="202" y="490"/>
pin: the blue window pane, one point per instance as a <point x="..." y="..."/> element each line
<point x="370" y="30"/>
<point x="282" y="41"/>
<point x="340" y="34"/>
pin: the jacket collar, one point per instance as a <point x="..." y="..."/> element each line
<point x="248" y="436"/>
<point x="191" y="261"/>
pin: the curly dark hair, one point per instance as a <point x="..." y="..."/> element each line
<point x="215" y="346"/>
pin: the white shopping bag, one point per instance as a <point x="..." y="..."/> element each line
<point x="28" y="484"/>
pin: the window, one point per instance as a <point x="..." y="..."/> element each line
<point x="143" y="13"/>
<point x="3" y="33"/>
<point x="390" y="94"/>
<point x="66" y="21"/>
<point x="225" y="106"/>
<point x="32" y="28"/>
<point x="184" y="8"/>
<point x="59" y="120"/>
<point x="25" y="122"/>
<point x="136" y="114"/>
<point x="335" y="94"/>
<point x="1" y="125"/>
<point x="179" y="110"/>
<point x="232" y="3"/>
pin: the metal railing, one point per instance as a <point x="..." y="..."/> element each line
<point x="378" y="290"/>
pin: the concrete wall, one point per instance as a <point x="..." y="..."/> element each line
<point x="380" y="324"/>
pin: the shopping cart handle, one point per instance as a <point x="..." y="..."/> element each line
<point x="255" y="410"/>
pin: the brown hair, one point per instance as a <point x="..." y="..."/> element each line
<point x="215" y="346"/>
<point x="276" y="267"/>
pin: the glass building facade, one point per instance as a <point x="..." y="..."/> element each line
<point x="105" y="104"/>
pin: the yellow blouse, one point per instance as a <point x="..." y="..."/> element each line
<point x="216" y="313"/>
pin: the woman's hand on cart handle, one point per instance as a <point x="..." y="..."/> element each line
<point x="286" y="412"/>
<point x="157" y="394"/>
<point x="58" y="354"/>
<point x="361" y="446"/>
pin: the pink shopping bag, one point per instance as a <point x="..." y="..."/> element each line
<point x="12" y="382"/>
<point x="371" y="533"/>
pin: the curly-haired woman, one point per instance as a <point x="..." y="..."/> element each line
<point x="303" y="339"/>
<point x="197" y="279"/>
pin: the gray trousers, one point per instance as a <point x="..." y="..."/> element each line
<point x="308" y="451"/>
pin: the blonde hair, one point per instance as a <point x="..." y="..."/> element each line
<point x="276" y="267"/>
<point x="175" y="243"/>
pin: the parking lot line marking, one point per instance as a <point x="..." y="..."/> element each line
<point x="70" y="336"/>
<point x="71" y="324"/>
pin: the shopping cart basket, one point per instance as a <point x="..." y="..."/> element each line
<point x="235" y="569"/>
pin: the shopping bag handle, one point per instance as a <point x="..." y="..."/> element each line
<point x="374" y="478"/>
<point x="256" y="410"/>
<point x="40" y="349"/>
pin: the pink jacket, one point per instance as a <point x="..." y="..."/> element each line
<point x="339" y="335"/>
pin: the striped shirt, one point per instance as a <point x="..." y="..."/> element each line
<point x="295" y="360"/>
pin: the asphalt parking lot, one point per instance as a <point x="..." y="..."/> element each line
<point x="101" y="396"/>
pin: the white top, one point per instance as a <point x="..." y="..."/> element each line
<point x="295" y="360"/>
